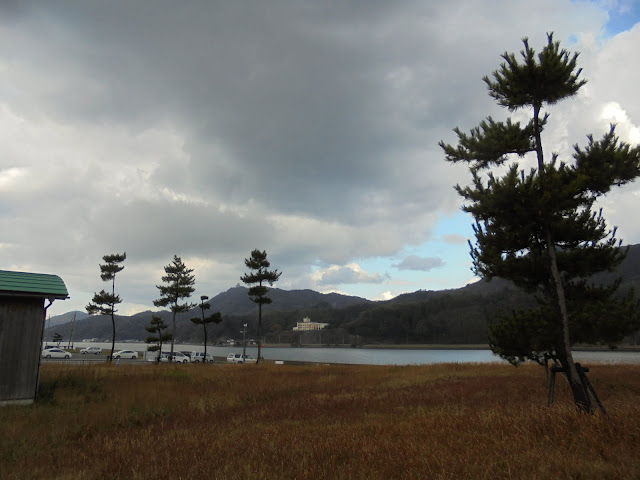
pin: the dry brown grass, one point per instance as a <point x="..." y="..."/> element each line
<point x="319" y="422"/>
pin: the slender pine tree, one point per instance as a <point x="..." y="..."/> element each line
<point x="259" y="274"/>
<point x="158" y="335"/>
<point x="204" y="321"/>
<point x="179" y="284"/>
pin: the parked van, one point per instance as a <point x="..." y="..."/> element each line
<point x="238" y="358"/>
<point x="198" y="357"/>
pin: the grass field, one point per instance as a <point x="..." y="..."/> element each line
<point x="457" y="421"/>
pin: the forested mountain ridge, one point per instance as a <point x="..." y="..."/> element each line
<point x="234" y="305"/>
<point x="457" y="316"/>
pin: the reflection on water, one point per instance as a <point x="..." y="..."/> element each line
<point x="370" y="356"/>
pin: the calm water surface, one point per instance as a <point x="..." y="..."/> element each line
<point x="370" y="356"/>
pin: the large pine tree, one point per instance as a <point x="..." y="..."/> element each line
<point x="539" y="228"/>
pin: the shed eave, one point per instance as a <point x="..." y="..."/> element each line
<point x="7" y="293"/>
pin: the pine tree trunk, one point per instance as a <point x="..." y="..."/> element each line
<point x="173" y="338"/>
<point x="113" y="335"/>
<point x="580" y="395"/>
<point x="259" y="333"/>
<point x="113" y="318"/>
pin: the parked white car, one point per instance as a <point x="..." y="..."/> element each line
<point x="198" y="357"/>
<point x="56" y="353"/>
<point x="237" y="358"/>
<point x="180" y="357"/>
<point x="125" y="354"/>
<point x="91" y="350"/>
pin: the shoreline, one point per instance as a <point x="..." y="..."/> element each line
<point x="371" y="346"/>
<point x="437" y="346"/>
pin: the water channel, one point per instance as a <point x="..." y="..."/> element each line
<point x="367" y="356"/>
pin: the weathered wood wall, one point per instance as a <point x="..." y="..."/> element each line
<point x="21" y="321"/>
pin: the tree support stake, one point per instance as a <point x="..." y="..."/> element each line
<point x="582" y="372"/>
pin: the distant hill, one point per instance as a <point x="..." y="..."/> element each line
<point x="236" y="301"/>
<point x="628" y="271"/>
<point x="455" y="316"/>
<point x="462" y="315"/>
<point x="65" y="318"/>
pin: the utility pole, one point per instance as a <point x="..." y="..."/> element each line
<point x="73" y="323"/>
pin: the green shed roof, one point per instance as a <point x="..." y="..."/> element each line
<point x="37" y="284"/>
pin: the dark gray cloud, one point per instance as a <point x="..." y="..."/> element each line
<point x="209" y="128"/>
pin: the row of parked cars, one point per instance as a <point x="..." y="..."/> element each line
<point x="178" y="357"/>
<point x="50" y="351"/>
<point x="197" y="357"/>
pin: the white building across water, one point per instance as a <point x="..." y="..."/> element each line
<point x="307" y="324"/>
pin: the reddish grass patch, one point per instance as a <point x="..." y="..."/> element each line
<point x="319" y="422"/>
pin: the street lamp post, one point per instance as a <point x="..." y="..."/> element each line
<point x="244" y="341"/>
<point x="203" y="307"/>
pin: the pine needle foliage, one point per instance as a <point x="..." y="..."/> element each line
<point x="57" y="338"/>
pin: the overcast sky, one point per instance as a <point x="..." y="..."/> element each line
<point x="308" y="129"/>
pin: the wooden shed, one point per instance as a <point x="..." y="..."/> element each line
<point x="22" y="314"/>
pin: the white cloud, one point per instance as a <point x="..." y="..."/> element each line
<point x="615" y="114"/>
<point x="351" y="273"/>
<point x="386" y="295"/>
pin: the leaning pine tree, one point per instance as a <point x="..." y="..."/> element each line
<point x="258" y="264"/>
<point x="538" y="228"/>
<point x="104" y="303"/>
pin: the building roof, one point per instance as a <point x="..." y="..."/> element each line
<point x="32" y="284"/>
